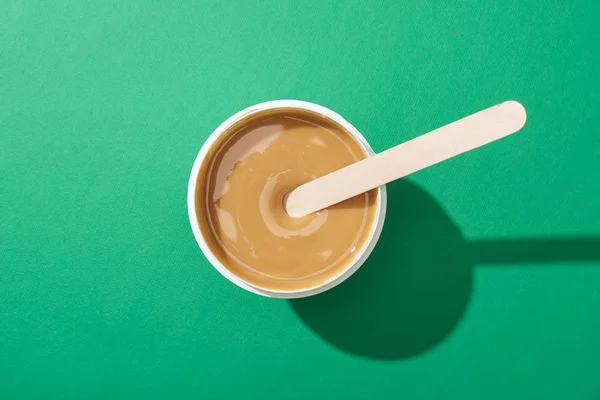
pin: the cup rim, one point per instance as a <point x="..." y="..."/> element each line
<point x="341" y="276"/>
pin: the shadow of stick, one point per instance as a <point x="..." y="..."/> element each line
<point x="415" y="287"/>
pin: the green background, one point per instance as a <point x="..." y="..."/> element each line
<point x="486" y="282"/>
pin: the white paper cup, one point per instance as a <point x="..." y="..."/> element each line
<point x="360" y="257"/>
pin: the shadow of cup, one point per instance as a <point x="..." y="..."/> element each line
<point x="410" y="293"/>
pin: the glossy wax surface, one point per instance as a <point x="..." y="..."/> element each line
<point x="241" y="192"/>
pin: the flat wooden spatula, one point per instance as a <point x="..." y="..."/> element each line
<point x="431" y="148"/>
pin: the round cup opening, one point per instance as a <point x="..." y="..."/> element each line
<point x="350" y="268"/>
